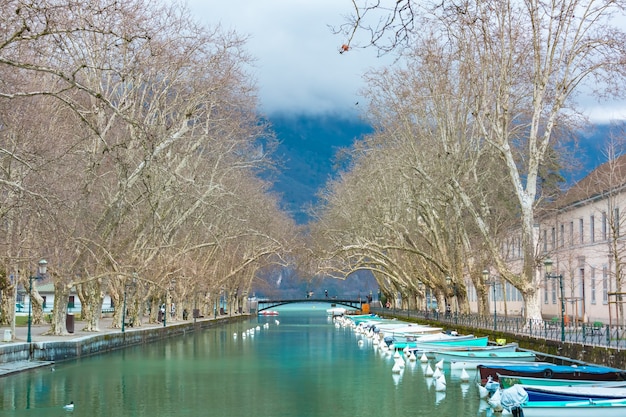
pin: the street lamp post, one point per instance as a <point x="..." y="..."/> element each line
<point x="41" y="271"/>
<point x="492" y="283"/>
<point x="124" y="310"/>
<point x="548" y="264"/>
<point x="451" y="284"/>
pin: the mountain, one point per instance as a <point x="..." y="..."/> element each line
<point x="308" y="144"/>
<point x="306" y="155"/>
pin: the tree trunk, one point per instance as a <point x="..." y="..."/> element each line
<point x="59" y="313"/>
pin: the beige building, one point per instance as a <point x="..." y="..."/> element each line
<point x="583" y="232"/>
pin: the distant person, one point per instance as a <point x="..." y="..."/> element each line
<point x="326" y="293"/>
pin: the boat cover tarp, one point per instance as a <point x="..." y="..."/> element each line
<point x="513" y="397"/>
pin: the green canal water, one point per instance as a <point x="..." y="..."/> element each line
<point x="304" y="366"/>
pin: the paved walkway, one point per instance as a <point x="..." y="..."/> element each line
<point x="38" y="335"/>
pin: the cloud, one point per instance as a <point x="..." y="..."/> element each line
<point x="298" y="66"/>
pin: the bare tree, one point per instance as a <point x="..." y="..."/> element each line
<point x="526" y="62"/>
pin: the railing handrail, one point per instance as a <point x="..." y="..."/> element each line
<point x="583" y="333"/>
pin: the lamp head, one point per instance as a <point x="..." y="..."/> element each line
<point x="485" y="275"/>
<point x="43" y="267"/>
<point x="548" y="264"/>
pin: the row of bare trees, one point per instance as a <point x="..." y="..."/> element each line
<point x="129" y="154"/>
<point x="467" y="129"/>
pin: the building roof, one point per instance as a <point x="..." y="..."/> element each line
<point x="608" y="177"/>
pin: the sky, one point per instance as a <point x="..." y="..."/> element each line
<point x="298" y="67"/>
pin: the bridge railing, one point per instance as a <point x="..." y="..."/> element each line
<point x="597" y="333"/>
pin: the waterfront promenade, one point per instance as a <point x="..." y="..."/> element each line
<point x="38" y="335"/>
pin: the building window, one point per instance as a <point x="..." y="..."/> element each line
<point x="553" y="281"/>
<point x="616" y="221"/>
<point x="545" y="293"/>
<point x="605" y="285"/>
<point x="604" y="225"/>
<point x="592" y="284"/>
<point x="571" y="233"/>
<point x="553" y="238"/>
<point x="562" y="235"/>
<point x="545" y="240"/>
<point x="581" y="230"/>
<point x="592" y="228"/>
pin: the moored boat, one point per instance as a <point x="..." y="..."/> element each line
<point x="269" y="313"/>
<point x="336" y="311"/>
<point x="427" y="345"/>
<point x="551" y="371"/>
<point x="576" y="393"/>
<point x="508" y="381"/>
<point x="587" y="408"/>
<point x="490" y="356"/>
<point x="413" y="341"/>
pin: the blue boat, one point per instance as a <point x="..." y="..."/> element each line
<point x="550" y="371"/>
<point x="574" y="393"/>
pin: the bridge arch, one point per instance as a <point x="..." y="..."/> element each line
<point x="269" y="304"/>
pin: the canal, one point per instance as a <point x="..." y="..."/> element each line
<point x="302" y="366"/>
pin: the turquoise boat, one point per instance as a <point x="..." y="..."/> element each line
<point x="486" y="355"/>
<point x="442" y="344"/>
<point x="412" y="341"/>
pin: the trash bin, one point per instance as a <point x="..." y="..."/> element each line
<point x="7" y="335"/>
<point x="222" y="311"/>
<point x="69" y="323"/>
<point x="160" y="316"/>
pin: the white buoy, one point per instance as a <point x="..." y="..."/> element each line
<point x="360" y="342"/>
<point x="437" y="373"/>
<point x="440" y="383"/>
<point x="429" y="371"/>
<point x="439" y="364"/>
<point x="396" y="368"/>
<point x="464" y="376"/>
<point x="258" y="327"/>
<point x="482" y="391"/>
<point x="277" y="322"/>
<point x="235" y="335"/>
<point x="423" y="358"/>
<point x="412" y="356"/>
<point x="495" y="401"/>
